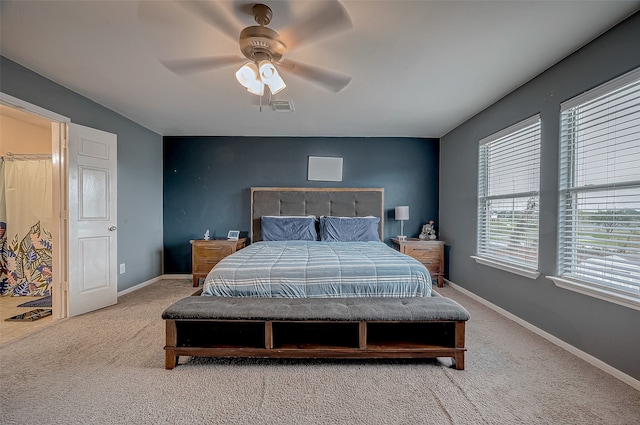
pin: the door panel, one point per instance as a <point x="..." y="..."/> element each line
<point x="92" y="219"/>
<point x="94" y="259"/>
<point x="94" y="195"/>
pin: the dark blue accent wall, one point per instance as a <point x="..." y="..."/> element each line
<point x="207" y="181"/>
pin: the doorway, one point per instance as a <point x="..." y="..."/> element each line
<point x="25" y="204"/>
<point x="84" y="210"/>
<point x="30" y="146"/>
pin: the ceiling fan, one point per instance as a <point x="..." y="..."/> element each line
<point x="264" y="48"/>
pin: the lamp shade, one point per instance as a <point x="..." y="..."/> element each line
<point x="248" y="77"/>
<point x="402" y="213"/>
<point x="269" y="76"/>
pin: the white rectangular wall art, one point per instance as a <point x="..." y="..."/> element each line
<point x="325" y="168"/>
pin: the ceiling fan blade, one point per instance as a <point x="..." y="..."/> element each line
<point x="329" y="80"/>
<point x="324" y="18"/>
<point x="212" y="14"/>
<point x="195" y="65"/>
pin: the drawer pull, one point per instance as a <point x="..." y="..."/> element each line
<point x="430" y="262"/>
<point x="213" y="247"/>
<point x="423" y="249"/>
<point x="210" y="261"/>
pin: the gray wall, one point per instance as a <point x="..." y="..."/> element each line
<point x="139" y="167"/>
<point x="605" y="330"/>
<point x="208" y="179"/>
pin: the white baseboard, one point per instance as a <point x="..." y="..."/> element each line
<point x="154" y="280"/>
<point x="630" y="380"/>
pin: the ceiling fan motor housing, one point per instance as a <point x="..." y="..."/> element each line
<point x="260" y="43"/>
<point x="261" y="13"/>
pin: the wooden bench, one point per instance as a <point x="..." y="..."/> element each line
<point x="315" y="328"/>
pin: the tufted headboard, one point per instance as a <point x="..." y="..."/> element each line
<point x="343" y="202"/>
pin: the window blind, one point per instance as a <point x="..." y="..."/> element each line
<point x="509" y="194"/>
<point x="599" y="208"/>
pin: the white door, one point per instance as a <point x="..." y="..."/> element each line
<point x="92" y="219"/>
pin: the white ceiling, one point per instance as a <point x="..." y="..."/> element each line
<point x="419" y="68"/>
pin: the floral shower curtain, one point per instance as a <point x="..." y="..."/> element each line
<point x="25" y="217"/>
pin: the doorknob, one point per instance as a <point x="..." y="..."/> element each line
<point x="112" y="228"/>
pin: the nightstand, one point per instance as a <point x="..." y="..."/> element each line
<point x="206" y="254"/>
<point x="428" y="252"/>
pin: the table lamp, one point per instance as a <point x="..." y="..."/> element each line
<point x="402" y="214"/>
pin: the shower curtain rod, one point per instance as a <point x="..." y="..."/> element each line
<point x="22" y="156"/>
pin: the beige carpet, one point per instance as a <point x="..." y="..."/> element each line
<point x="107" y="367"/>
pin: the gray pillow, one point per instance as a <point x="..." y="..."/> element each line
<point x="288" y="228"/>
<point x="349" y="229"/>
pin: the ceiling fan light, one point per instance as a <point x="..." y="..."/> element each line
<point x="247" y="73"/>
<point x="256" y="88"/>
<point x="248" y="76"/>
<point x="267" y="70"/>
<point x="269" y="75"/>
<point x="276" y="85"/>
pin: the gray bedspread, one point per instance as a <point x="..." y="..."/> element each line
<point x="309" y="269"/>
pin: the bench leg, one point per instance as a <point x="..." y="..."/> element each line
<point x="170" y="360"/>
<point x="459" y="343"/>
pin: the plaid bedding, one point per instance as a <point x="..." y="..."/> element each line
<point x="310" y="269"/>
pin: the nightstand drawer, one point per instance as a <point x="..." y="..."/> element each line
<point x="434" y="270"/>
<point x="204" y="266"/>
<point x="426" y="255"/>
<point x="434" y="266"/>
<point x="207" y="254"/>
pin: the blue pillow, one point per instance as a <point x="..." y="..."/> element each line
<point x="349" y="229"/>
<point x="289" y="228"/>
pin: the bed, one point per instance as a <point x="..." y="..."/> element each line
<point x="317" y="281"/>
<point x="312" y="269"/>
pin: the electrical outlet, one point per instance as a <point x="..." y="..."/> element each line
<point x="122" y="268"/>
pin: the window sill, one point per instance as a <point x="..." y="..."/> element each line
<point x="593" y="291"/>
<point x="522" y="271"/>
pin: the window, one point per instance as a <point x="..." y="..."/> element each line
<point x="599" y="208"/>
<point x="508" y="198"/>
